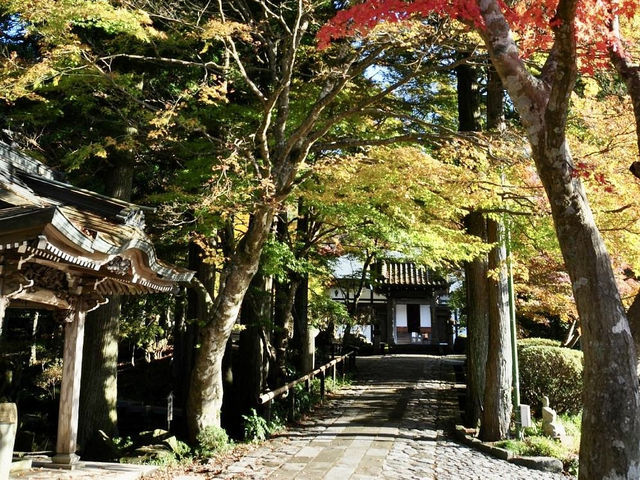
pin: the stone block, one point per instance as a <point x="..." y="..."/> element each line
<point x="545" y="464"/>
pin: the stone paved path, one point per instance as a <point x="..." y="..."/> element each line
<point x="390" y="424"/>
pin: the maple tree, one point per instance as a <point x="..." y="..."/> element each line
<point x="610" y="425"/>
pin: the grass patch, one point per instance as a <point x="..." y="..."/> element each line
<point x="536" y="444"/>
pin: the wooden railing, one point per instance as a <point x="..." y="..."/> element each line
<point x="348" y="362"/>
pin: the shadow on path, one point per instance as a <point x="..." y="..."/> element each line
<point x="391" y="423"/>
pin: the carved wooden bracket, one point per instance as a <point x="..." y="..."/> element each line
<point x="119" y="266"/>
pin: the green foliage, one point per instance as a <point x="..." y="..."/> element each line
<point x="279" y="260"/>
<point x="552" y="371"/>
<point x="256" y="428"/>
<point x="212" y="440"/>
<point x="536" y="444"/>
<point x="323" y="311"/>
<point x="538" y="342"/>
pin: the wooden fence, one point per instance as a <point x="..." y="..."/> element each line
<point x="348" y="362"/>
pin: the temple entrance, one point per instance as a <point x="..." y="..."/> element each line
<point x="413" y="318"/>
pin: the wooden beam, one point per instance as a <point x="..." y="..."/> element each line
<point x="66" y="444"/>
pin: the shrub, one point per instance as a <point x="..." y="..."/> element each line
<point x="256" y="428"/>
<point x="552" y="371"/>
<point x="538" y="342"/>
<point x="212" y="440"/>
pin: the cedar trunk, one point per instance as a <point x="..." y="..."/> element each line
<point x="99" y="384"/>
<point x="99" y="387"/>
<point x="496" y="414"/>
<point x="477" y="323"/>
<point x="252" y="364"/>
<point x="302" y="342"/>
<point x="475" y="270"/>
<point x="285" y="294"/>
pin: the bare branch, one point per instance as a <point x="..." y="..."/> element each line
<point x="168" y="60"/>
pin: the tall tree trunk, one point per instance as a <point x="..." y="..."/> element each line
<point x="496" y="415"/>
<point x="252" y="366"/>
<point x="186" y="334"/>
<point x="285" y="292"/>
<point x="610" y="440"/>
<point x="475" y="270"/>
<point x="468" y="99"/>
<point x="99" y="387"/>
<point x="301" y="331"/>
<point x="630" y="74"/>
<point x="495" y="100"/>
<point x="608" y="448"/>
<point x="475" y="273"/>
<point x="205" y="394"/>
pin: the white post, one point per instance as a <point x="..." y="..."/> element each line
<point x="66" y="444"/>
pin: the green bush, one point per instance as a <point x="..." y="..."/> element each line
<point x="256" y="428"/>
<point x="212" y="440"/>
<point x="538" y="342"/>
<point x="552" y="371"/>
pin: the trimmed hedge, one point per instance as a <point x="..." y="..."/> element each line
<point x="552" y="371"/>
<point x="538" y="342"/>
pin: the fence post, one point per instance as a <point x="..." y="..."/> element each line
<point x="335" y="366"/>
<point x="307" y="384"/>
<point x="292" y="404"/>
<point x="267" y="411"/>
<point x="322" y="375"/>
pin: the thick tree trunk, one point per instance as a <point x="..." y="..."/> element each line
<point x="468" y="99"/>
<point x="99" y="388"/>
<point x="496" y="415"/>
<point x="99" y="385"/>
<point x="477" y="323"/>
<point x="205" y="394"/>
<point x="495" y="100"/>
<point x="610" y="441"/>
<point x="285" y="292"/>
<point x="475" y="270"/>
<point x="186" y="332"/>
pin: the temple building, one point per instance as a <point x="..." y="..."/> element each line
<point x="399" y="303"/>
<point x="66" y="249"/>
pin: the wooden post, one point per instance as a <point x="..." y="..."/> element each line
<point x="292" y="405"/>
<point x="66" y="444"/>
<point x="267" y="411"/>
<point x="322" y="376"/>
<point x="335" y="366"/>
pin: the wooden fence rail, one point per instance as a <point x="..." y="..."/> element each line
<point x="348" y="361"/>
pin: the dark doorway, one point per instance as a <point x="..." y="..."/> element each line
<point x="413" y="317"/>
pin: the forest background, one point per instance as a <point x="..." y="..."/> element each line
<point x="268" y="157"/>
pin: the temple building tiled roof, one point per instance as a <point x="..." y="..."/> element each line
<point x="407" y="274"/>
<point x="97" y="241"/>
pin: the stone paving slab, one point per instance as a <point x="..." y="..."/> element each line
<point x="392" y="423"/>
<point x="89" y="470"/>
